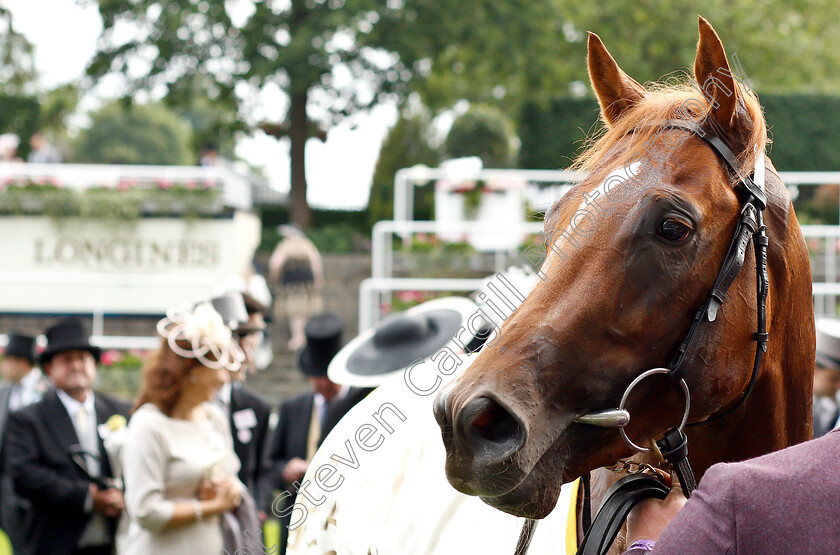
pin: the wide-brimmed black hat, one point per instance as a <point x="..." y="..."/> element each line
<point x="20" y="346"/>
<point x="69" y="334"/>
<point x="403" y="338"/>
<point x="828" y="343"/>
<point x="323" y="341"/>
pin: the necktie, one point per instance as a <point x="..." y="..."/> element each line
<point x="314" y="432"/>
<point x="82" y="424"/>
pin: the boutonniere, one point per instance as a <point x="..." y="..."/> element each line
<point x="114" y="424"/>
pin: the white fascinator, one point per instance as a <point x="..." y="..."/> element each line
<point x="199" y="332"/>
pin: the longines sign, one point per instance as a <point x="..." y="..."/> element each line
<point x="125" y="252"/>
<point x="141" y="267"/>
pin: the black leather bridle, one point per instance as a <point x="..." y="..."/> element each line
<point x="673" y="447"/>
<point x="626" y="493"/>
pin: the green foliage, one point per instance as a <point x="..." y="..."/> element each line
<point x="804" y="130"/>
<point x="783" y="45"/>
<point x="331" y="59"/>
<point x="552" y="135"/>
<point x="56" y="106"/>
<point x="406" y="145"/>
<point x="803" y="127"/>
<point x="19" y="114"/>
<point x="484" y="132"/>
<point x="116" y="205"/>
<point x="135" y="134"/>
<point x="332" y="231"/>
<point x="17" y="61"/>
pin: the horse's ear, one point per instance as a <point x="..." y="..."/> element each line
<point x="714" y="77"/>
<point x="616" y="91"/>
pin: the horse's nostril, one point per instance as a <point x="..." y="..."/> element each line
<point x="490" y="429"/>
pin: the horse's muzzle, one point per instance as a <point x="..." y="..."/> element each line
<point x="482" y="432"/>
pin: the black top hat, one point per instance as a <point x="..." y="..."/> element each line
<point x="69" y="334"/>
<point x="403" y="338"/>
<point x="21" y="346"/>
<point x="323" y="341"/>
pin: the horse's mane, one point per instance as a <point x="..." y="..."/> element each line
<point x="661" y="103"/>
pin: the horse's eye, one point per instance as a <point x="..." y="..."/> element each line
<point x="673" y="230"/>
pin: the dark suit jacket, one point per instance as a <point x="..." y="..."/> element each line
<point x="292" y="430"/>
<point x="249" y="420"/>
<point x="38" y="441"/>
<point x="15" y="511"/>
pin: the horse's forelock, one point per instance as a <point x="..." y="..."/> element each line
<point x="669" y="102"/>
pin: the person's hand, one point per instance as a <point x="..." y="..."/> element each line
<point x="229" y="495"/>
<point x="207" y="490"/>
<point x="294" y="470"/>
<point x="647" y="519"/>
<point x="109" y="501"/>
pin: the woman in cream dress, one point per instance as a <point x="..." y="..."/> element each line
<point x="179" y="466"/>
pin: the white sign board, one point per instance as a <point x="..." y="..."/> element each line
<point x="138" y="267"/>
<point x="498" y="217"/>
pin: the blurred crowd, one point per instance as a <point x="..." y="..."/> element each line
<point x="42" y="151"/>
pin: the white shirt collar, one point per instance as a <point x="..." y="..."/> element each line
<point x="30" y="381"/>
<point x="224" y="393"/>
<point x="73" y="406"/>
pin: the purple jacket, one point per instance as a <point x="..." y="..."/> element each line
<point x="784" y="502"/>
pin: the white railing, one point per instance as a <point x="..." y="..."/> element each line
<point x="382" y="283"/>
<point x="408" y="178"/>
<point x="235" y="188"/>
<point x="105" y="342"/>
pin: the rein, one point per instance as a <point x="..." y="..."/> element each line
<point x="672" y="449"/>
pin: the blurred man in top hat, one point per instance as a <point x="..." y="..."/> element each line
<point x="306" y="419"/>
<point x="827" y="377"/>
<point x="24" y="385"/>
<point x="55" y="454"/>
<point x="248" y="412"/>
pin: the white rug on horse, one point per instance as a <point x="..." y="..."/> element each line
<point x="377" y="486"/>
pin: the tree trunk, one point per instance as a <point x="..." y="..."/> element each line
<point x="301" y="215"/>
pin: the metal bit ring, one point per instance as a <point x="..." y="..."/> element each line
<point x="626" y="395"/>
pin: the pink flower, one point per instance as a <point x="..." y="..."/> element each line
<point x="190" y="184"/>
<point x="111" y="357"/>
<point x="164" y="184"/>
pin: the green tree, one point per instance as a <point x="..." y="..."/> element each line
<point x="136" y="134"/>
<point x="783" y="45"/>
<point x="332" y="59"/>
<point x="406" y="145"/>
<point x="485" y="132"/>
<point x="17" y="64"/>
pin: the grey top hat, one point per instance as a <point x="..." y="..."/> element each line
<point x="20" y="346"/>
<point x="402" y="339"/>
<point x="828" y="343"/>
<point x="231" y="307"/>
<point x="323" y="341"/>
<point x="69" y="334"/>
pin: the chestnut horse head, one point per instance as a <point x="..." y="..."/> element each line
<point x="635" y="249"/>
